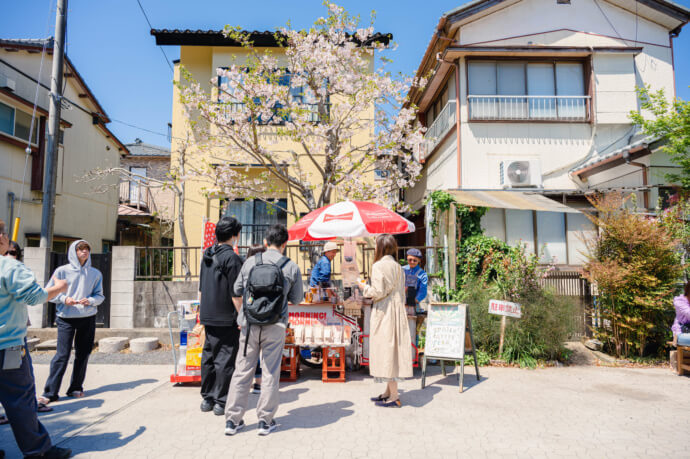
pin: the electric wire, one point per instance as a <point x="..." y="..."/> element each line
<point x="167" y="61"/>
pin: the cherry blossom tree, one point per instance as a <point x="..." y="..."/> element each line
<point x="319" y="119"/>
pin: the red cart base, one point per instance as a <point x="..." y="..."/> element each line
<point x="181" y="379"/>
<point x="333" y="364"/>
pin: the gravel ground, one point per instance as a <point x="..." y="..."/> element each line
<point x="158" y="357"/>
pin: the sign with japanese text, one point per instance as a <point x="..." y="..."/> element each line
<point x="505" y="308"/>
<point x="445" y="331"/>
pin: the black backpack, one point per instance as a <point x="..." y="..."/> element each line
<point x="265" y="293"/>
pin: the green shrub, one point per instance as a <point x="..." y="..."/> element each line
<point x="545" y="325"/>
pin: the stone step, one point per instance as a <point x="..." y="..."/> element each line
<point x="144" y="344"/>
<point x="48" y="345"/>
<point x="112" y="344"/>
<point x="32" y="342"/>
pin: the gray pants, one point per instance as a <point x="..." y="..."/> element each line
<point x="268" y="340"/>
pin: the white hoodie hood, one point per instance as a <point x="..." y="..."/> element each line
<point x="84" y="282"/>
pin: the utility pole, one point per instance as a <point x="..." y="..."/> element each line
<point x="48" y="211"/>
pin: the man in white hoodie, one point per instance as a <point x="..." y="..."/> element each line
<point x="76" y="320"/>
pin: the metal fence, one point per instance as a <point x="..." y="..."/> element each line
<point x="165" y="263"/>
<point x="443" y="122"/>
<point x="572" y="284"/>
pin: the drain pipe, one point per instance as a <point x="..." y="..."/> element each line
<point x="645" y="193"/>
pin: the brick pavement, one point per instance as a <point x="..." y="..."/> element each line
<point x="584" y="411"/>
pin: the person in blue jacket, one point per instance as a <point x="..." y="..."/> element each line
<point x="76" y="320"/>
<point x="321" y="274"/>
<point x="416" y="280"/>
<point x="18" y="288"/>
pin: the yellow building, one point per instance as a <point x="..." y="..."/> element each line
<point x="201" y="54"/>
<point x="86" y="143"/>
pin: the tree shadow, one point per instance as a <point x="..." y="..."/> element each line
<point x="99" y="442"/>
<point x="315" y="416"/>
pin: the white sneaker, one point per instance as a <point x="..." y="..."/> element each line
<point x="232" y="429"/>
<point x="265" y="429"/>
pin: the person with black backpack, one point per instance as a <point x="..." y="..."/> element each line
<point x="218" y="315"/>
<point x="263" y="288"/>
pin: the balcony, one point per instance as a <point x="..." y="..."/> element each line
<point x="438" y="129"/>
<point x="231" y="108"/>
<point x="137" y="196"/>
<point x="529" y="108"/>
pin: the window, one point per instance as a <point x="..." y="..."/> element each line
<point x="522" y="90"/>
<point x="256" y="216"/>
<point x="551" y="237"/>
<point x="17" y="123"/>
<point x="302" y="96"/>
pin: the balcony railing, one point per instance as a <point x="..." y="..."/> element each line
<point x="438" y="129"/>
<point x="137" y="195"/>
<point x="529" y="108"/>
<point x="312" y="109"/>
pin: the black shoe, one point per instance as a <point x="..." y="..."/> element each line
<point x="54" y="452"/>
<point x="256" y="389"/>
<point x="218" y="410"/>
<point x="232" y="429"/>
<point x="265" y="429"/>
<point x="206" y="405"/>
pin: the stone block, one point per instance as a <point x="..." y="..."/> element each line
<point x="122" y="286"/>
<point x="48" y="345"/>
<point x="594" y="344"/>
<point x="121" y="298"/>
<point x="32" y="342"/>
<point x="112" y="345"/>
<point x="145" y="344"/>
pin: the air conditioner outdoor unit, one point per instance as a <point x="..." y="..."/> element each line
<point x="7" y="83"/>
<point x="520" y="174"/>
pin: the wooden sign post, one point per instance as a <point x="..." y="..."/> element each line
<point x="504" y="309"/>
<point x="449" y="338"/>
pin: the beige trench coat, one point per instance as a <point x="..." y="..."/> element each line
<point x="390" y="348"/>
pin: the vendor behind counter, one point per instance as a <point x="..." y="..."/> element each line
<point x="321" y="274"/>
<point x="416" y="280"/>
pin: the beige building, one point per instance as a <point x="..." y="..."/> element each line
<point x="146" y="210"/>
<point x="529" y="100"/>
<point x="86" y="143"/>
<point x="201" y="54"/>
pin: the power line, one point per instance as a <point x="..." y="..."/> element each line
<point x="167" y="61"/>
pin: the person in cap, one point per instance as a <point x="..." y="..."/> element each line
<point x="416" y="280"/>
<point x="321" y="274"/>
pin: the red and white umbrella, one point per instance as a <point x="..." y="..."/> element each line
<point x="349" y="219"/>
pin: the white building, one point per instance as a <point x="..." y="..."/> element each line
<point x="530" y="98"/>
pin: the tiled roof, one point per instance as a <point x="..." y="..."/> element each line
<point x="265" y="38"/>
<point x="139" y="148"/>
<point x="651" y="142"/>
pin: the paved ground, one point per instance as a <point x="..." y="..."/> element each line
<point x="586" y="411"/>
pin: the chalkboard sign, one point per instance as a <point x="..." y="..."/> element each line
<point x="447" y="326"/>
<point x="445" y="331"/>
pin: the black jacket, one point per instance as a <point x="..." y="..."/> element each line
<point x="219" y="269"/>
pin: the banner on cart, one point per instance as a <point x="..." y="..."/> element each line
<point x="505" y="308"/>
<point x="445" y="331"/>
<point x="312" y="315"/>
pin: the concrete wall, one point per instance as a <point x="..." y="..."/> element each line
<point x="153" y="300"/>
<point x="38" y="261"/>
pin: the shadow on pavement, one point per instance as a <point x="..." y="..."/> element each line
<point x="119" y="386"/>
<point x="452" y="380"/>
<point x="72" y="405"/>
<point x="99" y="442"/>
<point x="419" y="397"/>
<point x="316" y="416"/>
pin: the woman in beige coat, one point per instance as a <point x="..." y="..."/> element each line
<point x="390" y="355"/>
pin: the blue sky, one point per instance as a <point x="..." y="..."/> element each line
<point x="109" y="43"/>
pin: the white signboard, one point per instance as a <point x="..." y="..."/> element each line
<point x="505" y="308"/>
<point x="445" y="331"/>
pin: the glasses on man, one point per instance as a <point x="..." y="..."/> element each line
<point x="13" y="253"/>
<point x="412" y="260"/>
